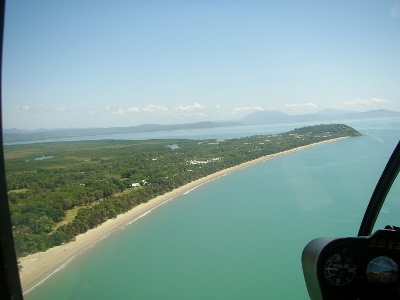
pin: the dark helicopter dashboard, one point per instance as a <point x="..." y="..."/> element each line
<point x="362" y="267"/>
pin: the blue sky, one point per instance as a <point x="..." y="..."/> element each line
<point x="125" y="63"/>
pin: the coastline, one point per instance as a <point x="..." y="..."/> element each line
<point x="38" y="267"/>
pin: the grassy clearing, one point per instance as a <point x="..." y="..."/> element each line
<point x="69" y="216"/>
<point x="19" y="191"/>
<point x="71" y="213"/>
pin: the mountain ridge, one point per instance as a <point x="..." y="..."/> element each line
<point x="254" y="118"/>
<point x="270" y="117"/>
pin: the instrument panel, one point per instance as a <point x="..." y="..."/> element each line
<point x="353" y="267"/>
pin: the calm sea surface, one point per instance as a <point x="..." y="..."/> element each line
<point x="241" y="235"/>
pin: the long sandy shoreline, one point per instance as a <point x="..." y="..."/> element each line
<point x="37" y="267"/>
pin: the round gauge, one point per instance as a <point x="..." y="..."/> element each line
<point x="382" y="269"/>
<point x="340" y="270"/>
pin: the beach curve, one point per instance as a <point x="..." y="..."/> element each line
<point x="38" y="267"/>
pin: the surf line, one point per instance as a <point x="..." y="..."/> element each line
<point x="63" y="265"/>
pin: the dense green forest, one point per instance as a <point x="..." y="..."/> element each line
<point x="60" y="190"/>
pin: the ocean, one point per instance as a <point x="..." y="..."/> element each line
<point x="239" y="236"/>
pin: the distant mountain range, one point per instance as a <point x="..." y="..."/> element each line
<point x="327" y="115"/>
<point x="259" y="117"/>
<point x="14" y="135"/>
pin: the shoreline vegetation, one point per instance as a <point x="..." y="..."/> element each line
<point x="38" y="267"/>
<point x="68" y="195"/>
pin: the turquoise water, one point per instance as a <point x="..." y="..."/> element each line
<point x="240" y="236"/>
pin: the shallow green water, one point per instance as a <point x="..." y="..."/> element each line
<point x="237" y="237"/>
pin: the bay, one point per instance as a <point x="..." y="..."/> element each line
<point x="205" y="133"/>
<point x="241" y="235"/>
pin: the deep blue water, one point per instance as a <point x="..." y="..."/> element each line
<point x="240" y="236"/>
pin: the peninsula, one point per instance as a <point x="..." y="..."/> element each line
<point x="64" y="197"/>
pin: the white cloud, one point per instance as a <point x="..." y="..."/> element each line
<point x="155" y="109"/>
<point x="179" y="110"/>
<point x="247" y="109"/>
<point x="222" y="111"/>
<point x="301" y="106"/>
<point x="187" y="108"/>
<point x="61" y="109"/>
<point x="119" y="111"/>
<point x="132" y="110"/>
<point x="87" y="111"/>
<point x="37" y="109"/>
<point x="162" y="110"/>
<point x="359" y="103"/>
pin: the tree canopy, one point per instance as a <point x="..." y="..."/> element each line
<point x="60" y="190"/>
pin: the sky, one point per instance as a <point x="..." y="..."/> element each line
<point x="94" y="63"/>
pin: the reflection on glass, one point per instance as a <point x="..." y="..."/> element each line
<point x="391" y="207"/>
<point x="382" y="269"/>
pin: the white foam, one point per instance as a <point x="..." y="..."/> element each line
<point x="376" y="138"/>
<point x="67" y="262"/>
<point x="146" y="213"/>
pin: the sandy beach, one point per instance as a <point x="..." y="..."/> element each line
<point x="36" y="268"/>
